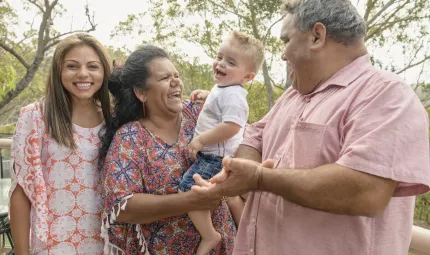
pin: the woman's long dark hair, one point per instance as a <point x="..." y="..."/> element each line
<point x="133" y="74"/>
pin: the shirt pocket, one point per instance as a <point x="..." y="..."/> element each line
<point x="304" y="145"/>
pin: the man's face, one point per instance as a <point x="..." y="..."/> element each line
<point x="298" y="55"/>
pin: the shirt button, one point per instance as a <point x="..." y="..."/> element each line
<point x="251" y="250"/>
<point x="253" y="220"/>
<point x="277" y="156"/>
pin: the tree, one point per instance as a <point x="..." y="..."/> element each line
<point x="33" y="92"/>
<point x="193" y="74"/>
<point x="390" y="23"/>
<point x="170" y="21"/>
<point x="401" y="24"/>
<point x="31" y="48"/>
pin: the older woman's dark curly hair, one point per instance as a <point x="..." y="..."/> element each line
<point x="133" y="74"/>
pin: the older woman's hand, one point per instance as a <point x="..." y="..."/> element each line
<point x="203" y="201"/>
<point x="199" y="95"/>
<point x="237" y="177"/>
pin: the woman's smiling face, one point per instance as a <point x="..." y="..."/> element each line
<point x="164" y="95"/>
<point x="82" y="73"/>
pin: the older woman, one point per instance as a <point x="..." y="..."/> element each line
<point x="146" y="155"/>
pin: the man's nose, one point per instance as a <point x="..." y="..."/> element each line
<point x="283" y="57"/>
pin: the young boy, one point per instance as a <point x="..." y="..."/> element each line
<point x="220" y="126"/>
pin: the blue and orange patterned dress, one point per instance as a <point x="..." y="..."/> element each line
<point x="140" y="162"/>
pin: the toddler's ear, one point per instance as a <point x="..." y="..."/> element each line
<point x="249" y="77"/>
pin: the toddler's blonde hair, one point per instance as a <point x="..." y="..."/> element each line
<point x="250" y="46"/>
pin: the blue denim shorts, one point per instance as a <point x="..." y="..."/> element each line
<point x="206" y="165"/>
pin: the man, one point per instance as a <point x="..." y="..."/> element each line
<point x="348" y="144"/>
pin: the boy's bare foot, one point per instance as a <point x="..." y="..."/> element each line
<point x="206" y="245"/>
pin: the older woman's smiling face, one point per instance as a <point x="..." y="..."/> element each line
<point x="164" y="96"/>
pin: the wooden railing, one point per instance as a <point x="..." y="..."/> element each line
<point x="5" y="143"/>
<point x="420" y="244"/>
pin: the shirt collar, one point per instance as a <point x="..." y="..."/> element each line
<point x="347" y="74"/>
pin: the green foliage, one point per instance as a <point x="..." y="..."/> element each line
<point x="117" y="54"/>
<point x="204" y="23"/>
<point x="7" y="78"/>
<point x="32" y="43"/>
<point x="257" y="100"/>
<point x="422" y="209"/>
<point x="193" y="74"/>
<point x="403" y="25"/>
<point x="33" y="92"/>
<point x="8" y="129"/>
<point x="7" y="17"/>
<point x="422" y="205"/>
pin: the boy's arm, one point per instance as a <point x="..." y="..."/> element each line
<point x="220" y="133"/>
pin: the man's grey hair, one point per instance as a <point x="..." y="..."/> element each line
<point x="340" y="17"/>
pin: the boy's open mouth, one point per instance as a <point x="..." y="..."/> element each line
<point x="219" y="73"/>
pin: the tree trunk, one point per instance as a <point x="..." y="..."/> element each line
<point x="44" y="43"/>
<point x="268" y="85"/>
<point x="24" y="82"/>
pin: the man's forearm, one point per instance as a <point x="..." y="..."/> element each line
<point x="248" y="152"/>
<point x="332" y="188"/>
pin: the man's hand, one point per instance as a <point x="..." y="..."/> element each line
<point x="194" y="147"/>
<point x="199" y="95"/>
<point x="242" y="176"/>
<point x="222" y="175"/>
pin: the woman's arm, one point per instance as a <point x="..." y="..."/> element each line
<point x="147" y="208"/>
<point x="20" y="221"/>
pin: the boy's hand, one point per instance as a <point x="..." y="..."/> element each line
<point x="199" y="95"/>
<point x="194" y="147"/>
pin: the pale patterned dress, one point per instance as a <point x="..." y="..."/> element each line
<point x="63" y="186"/>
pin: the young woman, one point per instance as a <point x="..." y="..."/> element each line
<point x="55" y="192"/>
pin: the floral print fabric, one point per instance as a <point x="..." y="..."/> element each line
<point x="62" y="185"/>
<point x="140" y="162"/>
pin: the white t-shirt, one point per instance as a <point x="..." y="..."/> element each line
<point x="224" y="104"/>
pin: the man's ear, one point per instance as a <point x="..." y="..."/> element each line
<point x="250" y="76"/>
<point x="140" y="94"/>
<point x="319" y="36"/>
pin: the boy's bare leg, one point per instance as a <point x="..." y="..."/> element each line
<point x="236" y="206"/>
<point x="210" y="237"/>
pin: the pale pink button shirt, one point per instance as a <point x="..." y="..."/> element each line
<point x="362" y="118"/>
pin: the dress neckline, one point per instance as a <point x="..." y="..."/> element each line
<point x="159" y="139"/>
